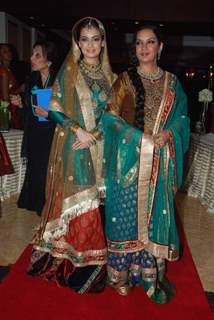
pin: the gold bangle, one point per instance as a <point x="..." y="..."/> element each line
<point x="74" y="128"/>
<point x="97" y="134"/>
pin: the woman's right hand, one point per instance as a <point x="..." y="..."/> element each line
<point x="16" y="99"/>
<point x="39" y="111"/>
<point x="84" y="139"/>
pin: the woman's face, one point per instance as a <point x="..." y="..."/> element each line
<point x="38" y="60"/>
<point x="147" y="46"/>
<point x="90" y="43"/>
<point x="5" y="53"/>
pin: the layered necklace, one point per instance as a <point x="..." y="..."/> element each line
<point x="151" y="76"/>
<point x="93" y="71"/>
<point x="94" y="76"/>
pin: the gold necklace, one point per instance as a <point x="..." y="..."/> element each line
<point x="93" y="71"/>
<point x="90" y="67"/>
<point x="151" y="76"/>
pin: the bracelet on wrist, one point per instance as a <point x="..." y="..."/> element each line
<point x="74" y="128"/>
<point x="96" y="133"/>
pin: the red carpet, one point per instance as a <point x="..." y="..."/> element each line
<point x="22" y="297"/>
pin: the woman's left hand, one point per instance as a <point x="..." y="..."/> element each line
<point x="81" y="145"/>
<point x="160" y="139"/>
<point x="40" y="111"/>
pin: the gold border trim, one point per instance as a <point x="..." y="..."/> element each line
<point x="96" y="150"/>
<point x="73" y="207"/>
<point x="98" y="260"/>
<point x="162" y="105"/>
<point x="80" y="197"/>
<point x="162" y="251"/>
<point x="84" y="95"/>
<point x="145" y="171"/>
<point x="158" y="250"/>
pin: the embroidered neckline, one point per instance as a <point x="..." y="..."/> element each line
<point x="94" y="68"/>
<point x="92" y="71"/>
<point x="151" y="76"/>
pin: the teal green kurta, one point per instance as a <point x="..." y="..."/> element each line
<point x="141" y="182"/>
<point x="122" y="157"/>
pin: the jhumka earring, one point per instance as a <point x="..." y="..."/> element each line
<point x="159" y="55"/>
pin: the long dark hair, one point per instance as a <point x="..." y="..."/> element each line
<point x="135" y="77"/>
<point x="139" y="97"/>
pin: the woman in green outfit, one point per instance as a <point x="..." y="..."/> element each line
<point x="149" y="129"/>
<point x="70" y="246"/>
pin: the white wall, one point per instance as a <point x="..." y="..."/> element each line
<point x="17" y="33"/>
<point x="3" y="33"/>
<point x="198" y="41"/>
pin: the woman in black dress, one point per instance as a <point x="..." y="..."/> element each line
<point x="37" y="134"/>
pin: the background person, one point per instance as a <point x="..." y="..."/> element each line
<point x="38" y="135"/>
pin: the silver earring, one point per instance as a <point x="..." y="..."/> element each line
<point x="159" y="55"/>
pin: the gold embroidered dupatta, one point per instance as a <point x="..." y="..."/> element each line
<point x="158" y="175"/>
<point x="74" y="178"/>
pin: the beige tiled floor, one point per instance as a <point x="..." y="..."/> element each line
<point x="16" y="231"/>
<point x="17" y="228"/>
<point x="199" y="229"/>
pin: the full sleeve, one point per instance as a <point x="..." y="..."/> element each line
<point x="56" y="112"/>
<point x="118" y="93"/>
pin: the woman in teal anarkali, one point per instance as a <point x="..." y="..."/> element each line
<point x="149" y="132"/>
<point x="70" y="246"/>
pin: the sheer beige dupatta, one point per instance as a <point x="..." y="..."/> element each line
<point x="66" y="200"/>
